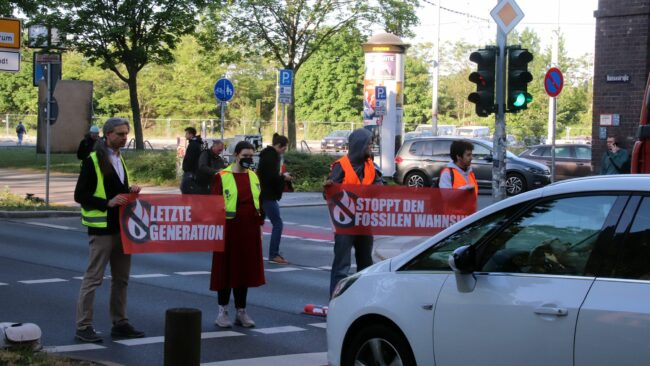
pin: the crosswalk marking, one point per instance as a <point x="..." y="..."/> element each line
<point x="152" y="275"/>
<point x="50" y="225"/>
<point x="192" y="273"/>
<point x="222" y="334"/>
<point x="82" y="277"/>
<point x="72" y="348"/>
<point x="318" y="240"/>
<point x="4" y="284"/>
<point x="316" y="227"/>
<point x="319" y="325"/>
<point x="284" y="269"/>
<point x="45" y="280"/>
<point x="161" y="339"/>
<point x="299" y="359"/>
<point x="276" y="330"/>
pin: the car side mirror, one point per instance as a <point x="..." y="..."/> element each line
<point x="462" y="262"/>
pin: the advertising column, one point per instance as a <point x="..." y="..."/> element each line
<point x="384" y="61"/>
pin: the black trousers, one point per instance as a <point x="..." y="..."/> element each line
<point x="343" y="245"/>
<point x="240" y="297"/>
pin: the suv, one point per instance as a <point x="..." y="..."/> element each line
<point x="419" y="161"/>
<point x="571" y="160"/>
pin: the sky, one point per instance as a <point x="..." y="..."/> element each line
<point x="575" y="18"/>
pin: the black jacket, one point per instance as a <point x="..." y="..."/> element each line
<point x="268" y="170"/>
<point x="85" y="147"/>
<point x="83" y="194"/>
<point x="209" y="165"/>
<point x="192" y="154"/>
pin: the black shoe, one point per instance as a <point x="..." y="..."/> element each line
<point x="126" y="330"/>
<point x="88" y="334"/>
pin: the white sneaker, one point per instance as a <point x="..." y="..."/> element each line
<point x="223" y="320"/>
<point x="243" y="319"/>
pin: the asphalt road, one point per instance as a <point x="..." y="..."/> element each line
<point x="42" y="261"/>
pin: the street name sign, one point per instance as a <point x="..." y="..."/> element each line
<point x="507" y="15"/>
<point x="9" y="61"/>
<point x="380" y="100"/>
<point x="553" y="82"/>
<point x="10" y="33"/>
<point x="224" y="90"/>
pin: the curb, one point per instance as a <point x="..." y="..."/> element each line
<point x="37" y="214"/>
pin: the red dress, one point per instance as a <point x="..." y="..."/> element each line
<point x="240" y="264"/>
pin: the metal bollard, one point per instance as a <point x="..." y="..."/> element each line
<point x="182" y="337"/>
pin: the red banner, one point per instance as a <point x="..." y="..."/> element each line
<point x="396" y="210"/>
<point x="163" y="223"/>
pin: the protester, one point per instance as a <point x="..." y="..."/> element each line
<point x="240" y="265"/>
<point x="100" y="191"/>
<point x="191" y="161"/>
<point x="615" y="160"/>
<point x="458" y="174"/>
<point x="20" y="132"/>
<point x="210" y="163"/>
<point x="273" y="184"/>
<point x="354" y="168"/>
<point x="87" y="145"/>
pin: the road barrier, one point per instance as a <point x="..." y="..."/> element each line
<point x="182" y="337"/>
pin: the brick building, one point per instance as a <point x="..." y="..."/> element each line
<point x="621" y="68"/>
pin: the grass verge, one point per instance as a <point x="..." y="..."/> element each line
<point x="27" y="357"/>
<point x="14" y="202"/>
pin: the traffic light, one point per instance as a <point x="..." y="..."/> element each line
<point x="483" y="77"/>
<point x="518" y="79"/>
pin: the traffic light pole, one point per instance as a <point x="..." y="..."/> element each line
<point x="499" y="142"/>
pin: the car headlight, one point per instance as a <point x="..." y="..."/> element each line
<point x="344" y="284"/>
<point x="539" y="171"/>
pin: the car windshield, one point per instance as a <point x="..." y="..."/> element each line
<point x="489" y="144"/>
<point x="339" y="134"/>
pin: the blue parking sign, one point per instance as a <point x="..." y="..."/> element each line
<point x="286" y="77"/>
<point x="224" y="91"/>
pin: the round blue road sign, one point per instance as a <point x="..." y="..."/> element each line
<point x="553" y="82"/>
<point x="224" y="91"/>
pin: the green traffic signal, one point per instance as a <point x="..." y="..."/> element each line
<point x="520" y="100"/>
<point x="518" y="97"/>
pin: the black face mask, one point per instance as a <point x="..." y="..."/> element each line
<point x="246" y="163"/>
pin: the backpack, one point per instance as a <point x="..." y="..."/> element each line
<point x="20" y="129"/>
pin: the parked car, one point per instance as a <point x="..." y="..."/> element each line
<point x="419" y="161"/>
<point x="571" y="160"/>
<point x="473" y="131"/>
<point x="556" y="276"/>
<point x="336" y="141"/>
<point x="442" y="130"/>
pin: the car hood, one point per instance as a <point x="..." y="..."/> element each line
<point x="527" y="163"/>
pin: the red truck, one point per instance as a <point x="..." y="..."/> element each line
<point x="641" y="150"/>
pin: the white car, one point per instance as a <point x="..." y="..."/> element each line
<point x="555" y="276"/>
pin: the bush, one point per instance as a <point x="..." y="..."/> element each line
<point x="13" y="202"/>
<point x="153" y="167"/>
<point x="309" y="170"/>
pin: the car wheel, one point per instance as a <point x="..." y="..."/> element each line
<point x="378" y="344"/>
<point x="515" y="184"/>
<point x="416" y="179"/>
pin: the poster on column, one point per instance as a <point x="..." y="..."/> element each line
<point x="396" y="210"/>
<point x="164" y="223"/>
<point x="381" y="70"/>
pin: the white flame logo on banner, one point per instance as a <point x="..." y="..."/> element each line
<point x="340" y="215"/>
<point x="136" y="230"/>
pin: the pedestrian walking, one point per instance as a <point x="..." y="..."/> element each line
<point x="615" y="160"/>
<point x="20" y="132"/>
<point x="240" y="265"/>
<point x="210" y="163"/>
<point x="358" y="168"/>
<point x="191" y="161"/>
<point x="269" y="170"/>
<point x="101" y="188"/>
<point x="458" y="174"/>
<point x="87" y="145"/>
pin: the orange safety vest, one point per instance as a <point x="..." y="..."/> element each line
<point x="351" y="176"/>
<point x="458" y="180"/>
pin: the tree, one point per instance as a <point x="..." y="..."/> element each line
<point x="125" y="35"/>
<point x="288" y="31"/>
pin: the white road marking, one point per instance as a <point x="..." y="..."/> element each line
<point x="276" y="330"/>
<point x="312" y="226"/>
<point x="318" y="240"/>
<point x="161" y="339"/>
<point x="45" y="280"/>
<point x="298" y="359"/>
<point x="327" y="268"/>
<point x="319" y="325"/>
<point x="284" y="269"/>
<point x="289" y="223"/>
<point x="72" y="348"/>
<point x="291" y="237"/>
<point x="4" y="284"/>
<point x="312" y="268"/>
<point x="193" y="273"/>
<point x="50" y="225"/>
<point x="152" y="275"/>
<point x="82" y="277"/>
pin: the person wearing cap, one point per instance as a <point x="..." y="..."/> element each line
<point x="210" y="163"/>
<point x="87" y="145"/>
<point x="356" y="167"/>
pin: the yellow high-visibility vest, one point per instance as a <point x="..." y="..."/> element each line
<point x="98" y="218"/>
<point x="230" y="190"/>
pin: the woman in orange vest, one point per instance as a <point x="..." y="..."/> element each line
<point x="458" y="174"/>
<point x="356" y="167"/>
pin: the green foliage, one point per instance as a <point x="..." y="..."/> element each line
<point x="309" y="170"/>
<point x="27" y="357"/>
<point x="397" y="16"/>
<point x="417" y="92"/>
<point x="152" y="167"/>
<point x="17" y="93"/>
<point x="13" y="202"/>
